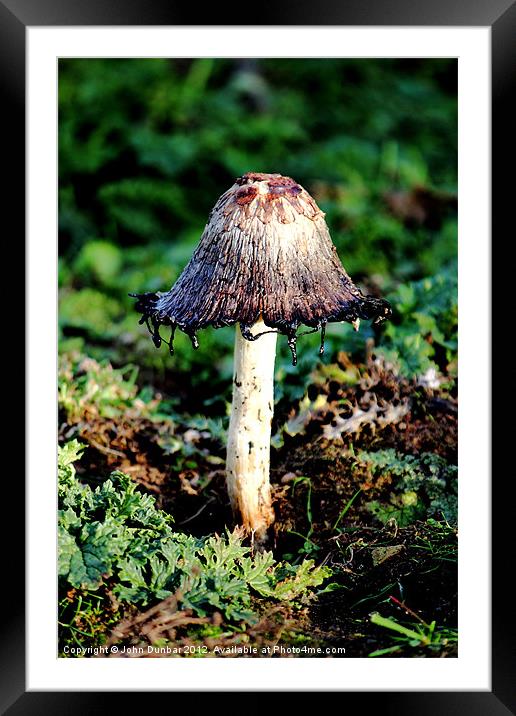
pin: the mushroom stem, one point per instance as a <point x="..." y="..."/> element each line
<point x="249" y="436"/>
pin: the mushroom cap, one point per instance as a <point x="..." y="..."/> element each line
<point x="265" y="252"/>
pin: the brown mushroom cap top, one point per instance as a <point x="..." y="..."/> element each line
<point x="265" y="252"/>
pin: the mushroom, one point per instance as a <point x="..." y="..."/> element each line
<point x="266" y="261"/>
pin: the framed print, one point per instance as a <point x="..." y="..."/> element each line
<point x="258" y="283"/>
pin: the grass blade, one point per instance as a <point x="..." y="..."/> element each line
<point x="394" y="626"/>
<point x="388" y="650"/>
<point x="346" y="508"/>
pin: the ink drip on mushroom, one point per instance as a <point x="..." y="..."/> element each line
<point x="265" y="261"/>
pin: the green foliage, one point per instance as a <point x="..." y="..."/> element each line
<point x="423" y="486"/>
<point x="416" y="634"/>
<point x="99" y="261"/>
<point x="345" y="510"/>
<point x="423" y="332"/>
<point x="98" y="527"/>
<point x="116" y="533"/>
<point x="146" y="146"/>
<point x="89" y="310"/>
<point x="84" y="620"/>
<point x="88" y="388"/>
<point x="438" y="540"/>
<point x="309" y="547"/>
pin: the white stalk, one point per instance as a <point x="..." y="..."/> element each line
<point x="249" y="436"/>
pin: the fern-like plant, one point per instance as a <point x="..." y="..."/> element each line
<point x="116" y="533"/>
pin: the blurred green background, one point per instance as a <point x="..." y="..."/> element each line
<point x="146" y="146"/>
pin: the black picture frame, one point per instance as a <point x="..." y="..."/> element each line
<point x="500" y="16"/>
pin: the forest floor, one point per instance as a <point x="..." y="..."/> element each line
<point x="363" y="482"/>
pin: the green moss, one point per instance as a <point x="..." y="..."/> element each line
<point x="423" y="486"/>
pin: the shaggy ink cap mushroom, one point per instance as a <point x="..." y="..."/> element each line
<point x="266" y="261"/>
<point x="265" y="253"/>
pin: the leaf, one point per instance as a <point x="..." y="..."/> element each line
<point x="66" y="456"/>
<point x="161" y="573"/>
<point x="101" y="544"/>
<point x="256" y="573"/>
<point x="381" y="554"/>
<point x="387" y="650"/>
<point x="68" y="552"/>
<point x="117" y="532"/>
<point x="307" y="410"/>
<point x="378" y="415"/>
<point x="394" y="626"/>
<point x="81" y="568"/>
<point x="306" y="576"/>
<point x="69" y="453"/>
<point x="68" y="519"/>
<point x="130" y="571"/>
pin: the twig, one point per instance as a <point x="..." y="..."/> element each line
<point x="408" y="610"/>
<point x="188" y="519"/>
<point x="106" y="450"/>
